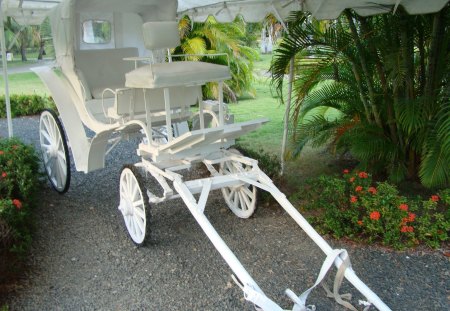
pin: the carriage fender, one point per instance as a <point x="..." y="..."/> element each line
<point x="64" y="97"/>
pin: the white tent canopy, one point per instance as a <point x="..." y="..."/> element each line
<point x="32" y="12"/>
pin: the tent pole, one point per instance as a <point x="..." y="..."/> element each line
<point x="5" y="73"/>
<point x="287" y="113"/>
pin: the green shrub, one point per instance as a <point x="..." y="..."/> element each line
<point x="24" y="105"/>
<point x="19" y="180"/>
<point x="269" y="163"/>
<point x="352" y="206"/>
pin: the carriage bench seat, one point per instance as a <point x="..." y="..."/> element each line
<point x="181" y="73"/>
<point x="98" y="70"/>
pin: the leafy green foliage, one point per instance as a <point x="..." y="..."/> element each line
<point x="352" y="206"/>
<point x="375" y="86"/>
<point x="212" y="37"/>
<point x="19" y="180"/>
<point x="24" y="105"/>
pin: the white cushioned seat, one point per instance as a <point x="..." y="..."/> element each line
<point x="175" y="74"/>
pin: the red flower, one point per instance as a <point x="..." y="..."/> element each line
<point x="375" y="215"/>
<point x="372" y="190"/>
<point x="403" y="207"/>
<point x="4" y="174"/>
<point x="353" y="199"/>
<point x="17" y="203"/>
<point x="434" y="198"/>
<point x="358" y="188"/>
<point x="346" y="171"/>
<point x="352" y="179"/>
<point x="411" y="217"/>
<point x="360" y="222"/>
<point x="1" y="152"/>
<point x="363" y="175"/>
<point x="407" y="229"/>
<point x="404" y="220"/>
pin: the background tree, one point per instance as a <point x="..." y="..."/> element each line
<point x="376" y="86"/>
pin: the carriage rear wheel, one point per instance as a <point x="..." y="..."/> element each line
<point x="134" y="204"/>
<point x="55" y="152"/>
<point x="242" y="199"/>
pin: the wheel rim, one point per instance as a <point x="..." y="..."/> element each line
<point x="132" y="206"/>
<point x="54" y="152"/>
<point x="240" y="199"/>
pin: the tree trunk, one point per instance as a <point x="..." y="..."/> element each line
<point x="365" y="69"/>
<point x="433" y="58"/>
<point x="23" y="52"/>
<point x="407" y="49"/>
<point x="41" y="50"/>
<point x="367" y="33"/>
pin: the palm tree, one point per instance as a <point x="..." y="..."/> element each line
<point x="212" y="37"/>
<point x="20" y="37"/>
<point x="377" y="86"/>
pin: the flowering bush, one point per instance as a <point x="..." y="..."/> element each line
<point x="352" y="206"/>
<point x="19" y="173"/>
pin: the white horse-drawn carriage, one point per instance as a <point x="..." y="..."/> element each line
<point x="116" y="79"/>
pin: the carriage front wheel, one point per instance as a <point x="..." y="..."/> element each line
<point x="55" y="152"/>
<point x="134" y="204"/>
<point x="241" y="199"/>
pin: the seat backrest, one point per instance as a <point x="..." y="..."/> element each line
<point x="161" y="35"/>
<point x="101" y="69"/>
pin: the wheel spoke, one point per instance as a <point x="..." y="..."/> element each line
<point x="140" y="213"/>
<point x="247" y="191"/>
<point x="241" y="201"/>
<point x="46" y="136"/>
<point x="140" y="224"/>
<point x="245" y="197"/>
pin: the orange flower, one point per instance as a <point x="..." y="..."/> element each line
<point x="360" y="222"/>
<point x="353" y="199"/>
<point x="363" y="175"/>
<point x="4" y="174"/>
<point x="403" y="207"/>
<point x="352" y="179"/>
<point x="375" y="215"/>
<point x="1" y="152"/>
<point x="434" y="198"/>
<point x="346" y="171"/>
<point x="17" y="203"/>
<point x="407" y="229"/>
<point x="411" y="217"/>
<point x="358" y="188"/>
<point x="372" y="190"/>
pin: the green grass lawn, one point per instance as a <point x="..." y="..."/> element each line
<point x="265" y="104"/>
<point x="24" y="83"/>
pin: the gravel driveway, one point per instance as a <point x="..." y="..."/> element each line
<point x="82" y="258"/>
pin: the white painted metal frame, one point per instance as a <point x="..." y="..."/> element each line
<point x="166" y="174"/>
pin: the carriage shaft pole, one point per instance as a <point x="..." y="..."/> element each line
<point x="350" y="275"/>
<point x="226" y="253"/>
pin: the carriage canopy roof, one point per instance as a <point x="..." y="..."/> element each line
<point x="32" y="12"/>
